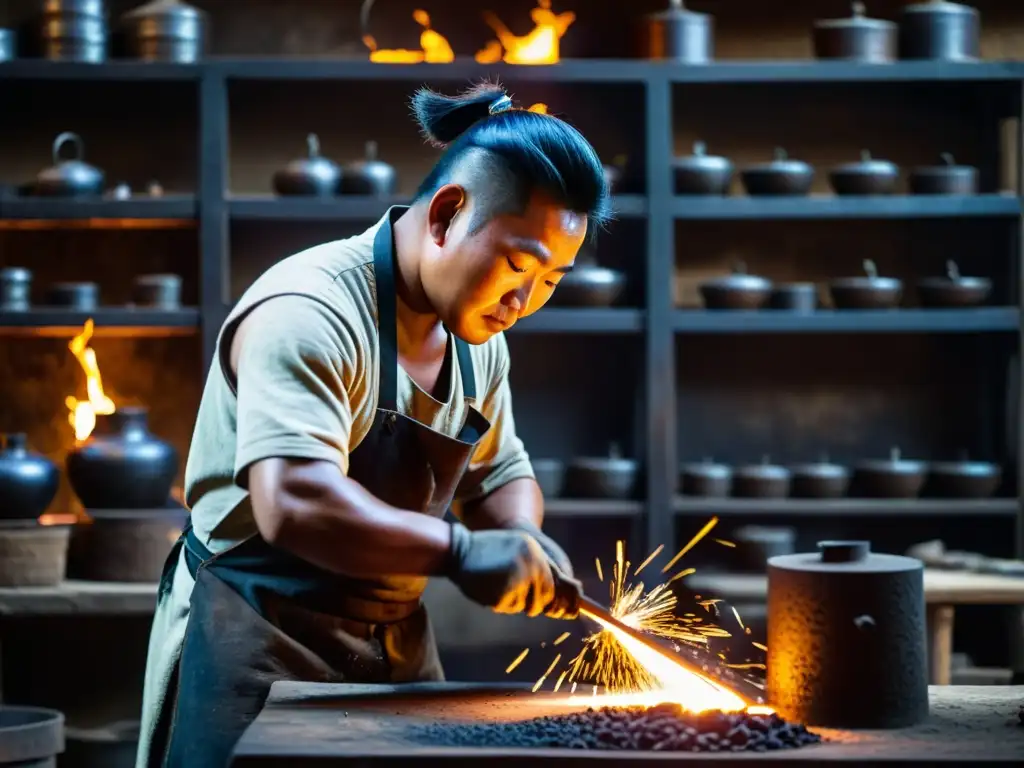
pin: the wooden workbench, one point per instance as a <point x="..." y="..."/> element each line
<point x="943" y="591"/>
<point x="357" y="725"/>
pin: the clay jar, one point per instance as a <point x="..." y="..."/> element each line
<point x="122" y="465"/>
<point x="28" y="481"/>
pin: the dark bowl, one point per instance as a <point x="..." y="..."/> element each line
<point x="963" y="479"/>
<point x="889" y="480"/>
<point x="690" y="179"/>
<point x="795" y="297"/>
<point x="819" y="481"/>
<point x="770" y="182"/>
<point x="863" y="182"/>
<point x="600" y="478"/>
<point x="737" y="292"/>
<point x="590" y="287"/>
<point x="942" y="292"/>
<point x="550" y="476"/>
<point x="944" y="180"/>
<point x="761" y="481"/>
<point x="866" y="292"/>
<point x="706" y="479"/>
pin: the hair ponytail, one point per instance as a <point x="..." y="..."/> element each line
<point x="442" y="119"/>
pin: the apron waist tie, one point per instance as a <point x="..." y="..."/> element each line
<point x="254" y="568"/>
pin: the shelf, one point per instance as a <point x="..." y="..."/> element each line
<point x="109" y="321"/>
<point x="110" y="71"/>
<point x="357" y="207"/>
<point x="171" y="210"/>
<point x="598" y="320"/>
<point x="79" y="598"/>
<point x="705" y="207"/>
<point x="812" y="71"/>
<point x="568" y="71"/>
<point x="592" y="508"/>
<point x="980" y="320"/>
<point x="703" y="507"/>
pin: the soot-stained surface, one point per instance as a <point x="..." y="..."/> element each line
<point x="666" y="727"/>
<point x="383" y="726"/>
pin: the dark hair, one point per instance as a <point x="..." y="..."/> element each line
<point x="533" y="151"/>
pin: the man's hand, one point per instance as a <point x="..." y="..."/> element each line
<point x="508" y="571"/>
<point x="554" y="552"/>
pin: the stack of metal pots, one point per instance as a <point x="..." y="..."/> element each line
<point x="165" y="30"/>
<point x="74" y="30"/>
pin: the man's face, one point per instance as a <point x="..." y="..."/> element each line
<point x="481" y="283"/>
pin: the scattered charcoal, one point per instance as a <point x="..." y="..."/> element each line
<point x="666" y="727"/>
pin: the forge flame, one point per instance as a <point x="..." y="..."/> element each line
<point x="82" y="413"/>
<point x="619" y="670"/>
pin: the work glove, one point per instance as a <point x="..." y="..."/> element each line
<point x="554" y="552"/>
<point x="508" y="571"/>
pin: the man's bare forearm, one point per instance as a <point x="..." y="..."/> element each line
<point x="312" y="510"/>
<point x="513" y="504"/>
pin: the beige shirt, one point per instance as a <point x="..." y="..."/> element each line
<point x="309" y="388"/>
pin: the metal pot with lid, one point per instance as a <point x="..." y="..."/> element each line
<point x="369" y="175"/>
<point x="69" y="178"/>
<point x="311" y="175"/>
<point x="166" y="30"/>
<point x="601" y="477"/>
<point x="953" y="289"/>
<point x="588" y="284"/>
<point x="736" y="291"/>
<point x="705" y="478"/>
<point x="868" y="176"/>
<point x="701" y="173"/>
<point x="963" y="479"/>
<point x="678" y="34"/>
<point x="822" y="479"/>
<point x="761" y="481"/>
<point x="940" y="31"/>
<point x="757" y="544"/>
<point x="856" y="38"/>
<point x="866" y="292"/>
<point x="74" y="30"/>
<point x="947" y="178"/>
<point x="892" y="478"/>
<point x="781" y="176"/>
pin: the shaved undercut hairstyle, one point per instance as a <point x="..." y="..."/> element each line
<point x="503" y="155"/>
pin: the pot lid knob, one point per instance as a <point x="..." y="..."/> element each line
<point x="699" y="149"/>
<point x="371" y="150"/>
<point x="16" y="441"/>
<point x="844" y="551"/>
<point x="865" y="156"/>
<point x="68" y="138"/>
<point x="313" y="145"/>
<point x="857" y="10"/>
<point x="739" y="267"/>
<point x="952" y="270"/>
<point x="870" y="269"/>
<point x="947" y="158"/>
<point x="781" y="154"/>
<point x="894" y="454"/>
<point x="614" y="451"/>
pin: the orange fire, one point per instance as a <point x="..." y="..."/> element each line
<point x="82" y="413"/>
<point x="434" y="47"/>
<point x="539" y="46"/>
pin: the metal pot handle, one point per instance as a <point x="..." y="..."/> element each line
<point x="68" y="138"/>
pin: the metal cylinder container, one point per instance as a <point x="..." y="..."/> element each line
<point x="938" y="30"/>
<point x="679" y="35"/>
<point x="15" y="289"/>
<point x="846" y="638"/>
<point x="74" y="30"/>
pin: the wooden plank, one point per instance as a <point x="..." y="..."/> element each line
<point x="95" y="598"/>
<point x="323" y="724"/>
<point x="940" y="587"/>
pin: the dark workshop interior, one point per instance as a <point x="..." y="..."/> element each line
<point x="803" y="325"/>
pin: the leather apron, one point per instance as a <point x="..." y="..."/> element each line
<point x="259" y="614"/>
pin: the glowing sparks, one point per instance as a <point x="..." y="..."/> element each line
<point x="600" y="573"/>
<point x="647" y="562"/>
<point x="692" y="543"/>
<point x="739" y="619"/>
<point x="518" y="661"/>
<point x="760" y="647"/>
<point x="725" y="543"/>
<point x="561" y="638"/>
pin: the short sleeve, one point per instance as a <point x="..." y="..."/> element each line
<point x="294" y="374"/>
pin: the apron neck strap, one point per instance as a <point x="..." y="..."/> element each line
<point x="387" y="320"/>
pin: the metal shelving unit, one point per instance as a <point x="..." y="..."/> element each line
<point x="658" y="322"/>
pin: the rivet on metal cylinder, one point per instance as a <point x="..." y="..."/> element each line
<point x="844" y="551"/>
